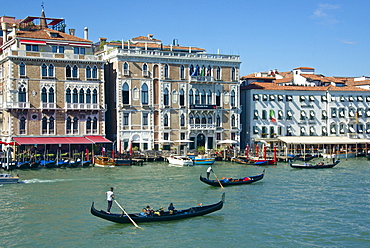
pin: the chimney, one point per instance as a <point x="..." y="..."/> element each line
<point x="150" y="36"/>
<point x="4" y="27"/>
<point x="86" y="33"/>
<point x="43" y="20"/>
<point x="72" y="31"/>
<point x="14" y="29"/>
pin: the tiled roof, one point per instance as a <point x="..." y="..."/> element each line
<point x="44" y="34"/>
<point x="274" y="86"/>
<point x="283" y="80"/>
<point x="304" y="68"/>
<point x="145" y="38"/>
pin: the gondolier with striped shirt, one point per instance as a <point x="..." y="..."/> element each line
<point x="209" y="172"/>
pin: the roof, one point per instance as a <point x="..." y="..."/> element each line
<point x="304" y="68"/>
<point x="45" y="35"/>
<point x="98" y="139"/>
<point x="318" y="140"/>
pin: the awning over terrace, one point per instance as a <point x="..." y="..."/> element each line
<point x="98" y="139"/>
<point x="60" y="140"/>
<point x="318" y="140"/>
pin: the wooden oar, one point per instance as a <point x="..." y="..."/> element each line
<point x="133" y="222"/>
<point x="217" y="179"/>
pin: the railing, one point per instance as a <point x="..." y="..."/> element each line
<point x="201" y="55"/>
<point x="82" y="106"/>
<point x="17" y="105"/>
<point x="202" y="126"/>
<point x="202" y="79"/>
<point x="51" y="55"/>
<point x="48" y="105"/>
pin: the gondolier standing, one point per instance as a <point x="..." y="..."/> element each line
<point x="209" y="171"/>
<point x="110" y="197"/>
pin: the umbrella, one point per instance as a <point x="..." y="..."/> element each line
<point x="13" y="143"/>
<point x="228" y="142"/>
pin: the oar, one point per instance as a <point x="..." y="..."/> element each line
<point x="133" y="222"/>
<point x="217" y="179"/>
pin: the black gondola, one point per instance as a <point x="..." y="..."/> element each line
<point x="230" y="181"/>
<point x="313" y="166"/>
<point x="164" y="216"/>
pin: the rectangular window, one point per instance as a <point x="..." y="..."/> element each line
<point x="145" y="119"/>
<point x="33" y="48"/>
<point x="125" y="119"/>
<point x="165" y="136"/>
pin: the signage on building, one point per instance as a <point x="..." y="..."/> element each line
<point x="201" y="106"/>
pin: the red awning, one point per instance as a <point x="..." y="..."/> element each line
<point x="51" y="140"/>
<point x="98" y="139"/>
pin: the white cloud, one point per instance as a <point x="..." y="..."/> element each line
<point x="324" y="13"/>
<point x="349" y="42"/>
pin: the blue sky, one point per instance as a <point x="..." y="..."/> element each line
<point x="330" y="36"/>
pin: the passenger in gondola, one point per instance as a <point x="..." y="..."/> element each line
<point x="171" y="208"/>
<point x="149" y="211"/>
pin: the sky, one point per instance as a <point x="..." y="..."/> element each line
<point x="331" y="36"/>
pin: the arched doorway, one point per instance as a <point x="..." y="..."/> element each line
<point x="201" y="140"/>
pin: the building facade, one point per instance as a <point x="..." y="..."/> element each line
<point x="163" y="95"/>
<point x="51" y="83"/>
<point x="302" y="103"/>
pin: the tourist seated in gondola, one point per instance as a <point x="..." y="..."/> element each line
<point x="143" y="212"/>
<point x="171" y="208"/>
<point x="149" y="211"/>
<point x="321" y="163"/>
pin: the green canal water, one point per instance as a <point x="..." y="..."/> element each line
<point x="288" y="208"/>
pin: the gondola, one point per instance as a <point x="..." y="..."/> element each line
<point x="230" y="181"/>
<point x="313" y="166"/>
<point x="164" y="216"/>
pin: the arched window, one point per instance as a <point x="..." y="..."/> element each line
<point x="75" y="96"/>
<point x="204" y="120"/>
<point x="75" y="71"/>
<point x="233" y="73"/>
<point x="182" y="120"/>
<point x="94" y="72"/>
<point x="182" y="72"/>
<point x="88" y="125"/>
<point x="191" y="119"/>
<point x="209" y="98"/>
<point x="144" y="94"/>
<point x="95" y="96"/>
<point x="165" y="71"/>
<point x="145" y="70"/>
<point x="75" y="125"/>
<point x="218" y="121"/>
<point x="51" y="70"/>
<point x="44" y="124"/>
<point x="22" y="94"/>
<point x="51" y="95"/>
<point x="218" y="73"/>
<point x="191" y="98"/>
<point x="51" y="125"/>
<point x="88" y="96"/>
<point x="166" y="97"/>
<point x="68" y="71"/>
<point x="197" y="98"/>
<point x="165" y="120"/>
<point x="203" y="97"/>
<point x="44" y="70"/>
<point x="209" y="71"/>
<point x="68" y="125"/>
<point x="68" y="95"/>
<point x="218" y="98"/>
<point x="191" y="69"/>
<point x="22" y="125"/>
<point x="210" y="121"/>
<point x="264" y="115"/>
<point x="95" y="125"/>
<point x="182" y="97"/>
<point x="125" y="94"/>
<point x="232" y="98"/>
<point x="88" y="72"/>
<point x="22" y="69"/>
<point x="197" y="119"/>
<point x="82" y="96"/>
<point x="126" y="71"/>
<point x="233" y="121"/>
<point x="44" y="96"/>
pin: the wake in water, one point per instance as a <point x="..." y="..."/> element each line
<point x="35" y="180"/>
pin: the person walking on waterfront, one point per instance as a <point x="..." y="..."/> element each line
<point x="110" y="198"/>
<point x="209" y="172"/>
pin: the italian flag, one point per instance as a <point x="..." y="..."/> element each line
<point x="272" y="115"/>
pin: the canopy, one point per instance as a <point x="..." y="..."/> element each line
<point x="51" y="140"/>
<point x="228" y="142"/>
<point x="98" y="139"/>
<point x="183" y="141"/>
<point x="316" y="140"/>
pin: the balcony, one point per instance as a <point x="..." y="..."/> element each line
<point x="202" y="79"/>
<point x="203" y="106"/>
<point x="203" y="126"/>
<point x="17" y="105"/>
<point x="78" y="106"/>
<point x="48" y="105"/>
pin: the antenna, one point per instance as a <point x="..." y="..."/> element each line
<point x="42" y="4"/>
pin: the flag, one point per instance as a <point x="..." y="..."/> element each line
<point x="195" y="72"/>
<point x="272" y="115"/>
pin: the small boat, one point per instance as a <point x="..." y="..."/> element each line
<point x="164" y="216"/>
<point x="23" y="165"/>
<point x="7" y="178"/>
<point x="341" y="154"/>
<point x="180" y="160"/>
<point x="231" y="181"/>
<point x="48" y="163"/>
<point x="122" y="162"/>
<point x="202" y="160"/>
<point x="86" y="163"/>
<point x="313" y="166"/>
<point x="239" y="160"/>
<point x="302" y="157"/>
<point x="100" y="161"/>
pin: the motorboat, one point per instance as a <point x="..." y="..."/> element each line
<point x="180" y="160"/>
<point x="7" y="178"/>
<point x="203" y="160"/>
<point x="101" y="161"/>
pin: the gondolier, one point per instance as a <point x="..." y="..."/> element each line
<point x="110" y="197"/>
<point x="209" y="171"/>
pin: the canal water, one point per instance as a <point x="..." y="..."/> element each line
<point x="288" y="208"/>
